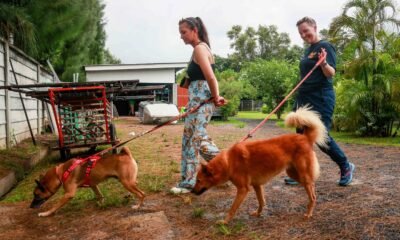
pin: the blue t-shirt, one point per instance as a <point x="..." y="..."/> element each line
<point x="317" y="80"/>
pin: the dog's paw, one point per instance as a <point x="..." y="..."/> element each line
<point x="255" y="214"/>
<point x="307" y="216"/>
<point x="44" y="214"/>
<point x="137" y="206"/>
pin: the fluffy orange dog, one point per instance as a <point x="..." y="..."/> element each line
<point x="253" y="163"/>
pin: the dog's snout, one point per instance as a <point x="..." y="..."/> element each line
<point x="37" y="202"/>
<point x="199" y="192"/>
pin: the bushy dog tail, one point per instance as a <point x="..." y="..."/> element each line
<point x="311" y="124"/>
<point x="125" y="150"/>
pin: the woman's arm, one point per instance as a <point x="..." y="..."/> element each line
<point x="327" y="69"/>
<point x="201" y="57"/>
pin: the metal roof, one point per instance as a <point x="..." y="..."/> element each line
<point x="117" y="67"/>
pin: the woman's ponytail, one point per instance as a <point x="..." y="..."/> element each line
<point x="201" y="28"/>
<point x="203" y="34"/>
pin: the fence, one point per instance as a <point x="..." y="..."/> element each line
<point x="250" y="105"/>
<point x="13" y="124"/>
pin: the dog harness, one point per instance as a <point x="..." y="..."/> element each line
<point x="91" y="163"/>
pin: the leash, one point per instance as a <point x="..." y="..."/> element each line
<point x="191" y="110"/>
<point x="250" y="134"/>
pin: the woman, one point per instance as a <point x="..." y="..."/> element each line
<point x="202" y="85"/>
<point x="317" y="91"/>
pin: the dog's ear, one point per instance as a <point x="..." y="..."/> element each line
<point x="203" y="163"/>
<point x="206" y="170"/>
<point x="40" y="185"/>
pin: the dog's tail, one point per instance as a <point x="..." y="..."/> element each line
<point x="125" y="150"/>
<point x="311" y="124"/>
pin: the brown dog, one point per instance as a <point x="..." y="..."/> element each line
<point x="253" y="163"/>
<point x="121" y="166"/>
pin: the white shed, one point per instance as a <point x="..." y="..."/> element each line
<point x="147" y="73"/>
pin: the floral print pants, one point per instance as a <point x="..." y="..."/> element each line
<point x="195" y="140"/>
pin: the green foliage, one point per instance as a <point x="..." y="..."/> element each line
<point x="229" y="63"/>
<point x="181" y="75"/>
<point x="198" y="213"/>
<point x="16" y="26"/>
<point x="69" y="33"/>
<point x="264" y="109"/>
<point x="229" y="230"/>
<point x="369" y="56"/>
<point x="231" y="108"/>
<point x="233" y="89"/>
<point x="265" y="43"/>
<point x="272" y="79"/>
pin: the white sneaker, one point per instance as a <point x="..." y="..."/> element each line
<point x="178" y="190"/>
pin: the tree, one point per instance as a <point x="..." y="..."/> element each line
<point x="271" y="43"/>
<point x="294" y="54"/>
<point x="244" y="43"/>
<point x="69" y="33"/>
<point x="265" y="43"/>
<point x="233" y="89"/>
<point x="272" y="79"/>
<point x="109" y="58"/>
<point x="357" y="31"/>
<point x="222" y="63"/>
<point x="16" y="26"/>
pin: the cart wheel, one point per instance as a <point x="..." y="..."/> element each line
<point x="113" y="136"/>
<point x="92" y="150"/>
<point x="65" y="154"/>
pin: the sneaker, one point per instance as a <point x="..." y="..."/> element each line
<point x="346" y="175"/>
<point x="179" y="190"/>
<point x="290" y="181"/>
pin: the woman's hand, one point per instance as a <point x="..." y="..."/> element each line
<point x="219" y="101"/>
<point x="322" y="55"/>
<point x="327" y="70"/>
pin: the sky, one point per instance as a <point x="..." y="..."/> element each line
<point x="146" y="31"/>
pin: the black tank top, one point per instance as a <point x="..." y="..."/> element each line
<point x="194" y="71"/>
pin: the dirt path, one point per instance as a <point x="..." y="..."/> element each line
<point x="368" y="209"/>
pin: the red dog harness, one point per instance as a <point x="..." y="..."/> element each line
<point x="91" y="163"/>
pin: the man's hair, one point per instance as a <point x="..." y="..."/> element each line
<point x="308" y="20"/>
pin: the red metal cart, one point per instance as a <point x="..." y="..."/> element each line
<point x="82" y="111"/>
<point x="83" y="117"/>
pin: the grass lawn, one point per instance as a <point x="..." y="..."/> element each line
<point x="253" y="115"/>
<point x="237" y="123"/>
<point x="346" y="137"/>
<point x="352" y="138"/>
<point x="339" y="136"/>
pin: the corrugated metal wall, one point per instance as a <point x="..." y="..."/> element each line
<point x="27" y="71"/>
